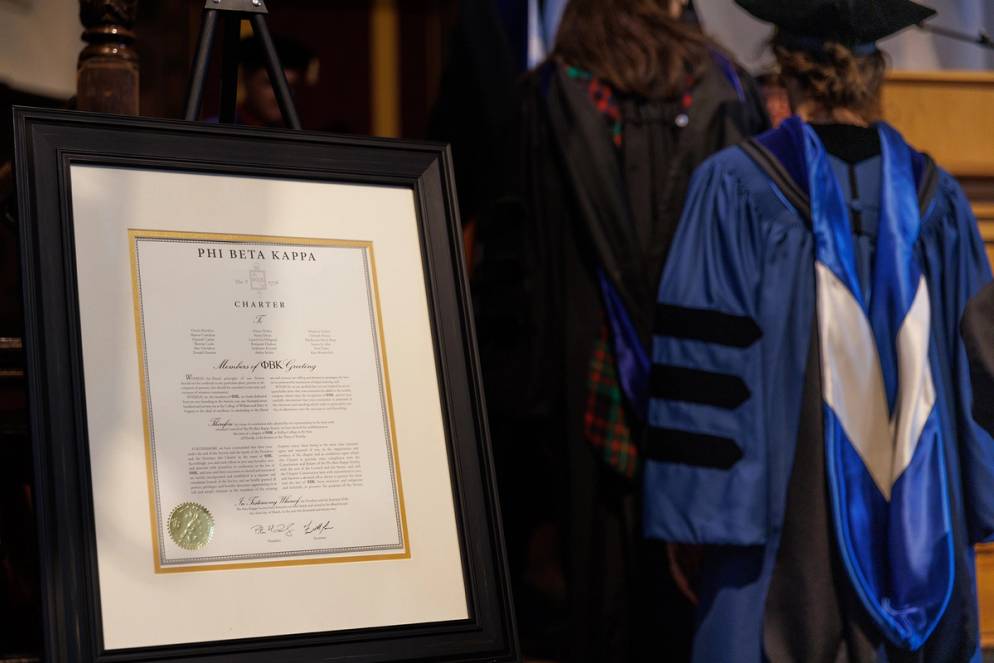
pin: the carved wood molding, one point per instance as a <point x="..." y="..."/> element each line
<point x="110" y="12"/>
<point x="108" y="64"/>
<point x="108" y="28"/>
<point x="11" y="360"/>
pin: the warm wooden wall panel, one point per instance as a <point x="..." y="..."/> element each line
<point x="985" y="593"/>
<point x="947" y="114"/>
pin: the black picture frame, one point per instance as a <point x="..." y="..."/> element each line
<point x="48" y="143"/>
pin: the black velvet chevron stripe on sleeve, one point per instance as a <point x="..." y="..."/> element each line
<point x="668" y="445"/>
<point x="695" y="324"/>
<point x="696" y="386"/>
<point x="693" y="385"/>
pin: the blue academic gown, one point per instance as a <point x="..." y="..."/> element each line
<point x="732" y="364"/>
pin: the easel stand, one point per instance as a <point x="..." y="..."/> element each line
<point x="232" y="13"/>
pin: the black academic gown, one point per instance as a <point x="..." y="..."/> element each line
<point x="978" y="334"/>
<point x="475" y="103"/>
<point x="587" y="588"/>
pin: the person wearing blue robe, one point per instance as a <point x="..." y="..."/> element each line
<point x="812" y="445"/>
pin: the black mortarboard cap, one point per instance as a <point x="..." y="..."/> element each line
<point x="848" y="22"/>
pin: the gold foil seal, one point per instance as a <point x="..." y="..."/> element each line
<point x="191" y="526"/>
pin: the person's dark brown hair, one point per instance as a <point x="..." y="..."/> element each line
<point x="637" y="46"/>
<point x="834" y="78"/>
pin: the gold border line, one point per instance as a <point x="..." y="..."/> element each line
<point x="389" y="397"/>
<point x="261" y="239"/>
<point x="133" y="235"/>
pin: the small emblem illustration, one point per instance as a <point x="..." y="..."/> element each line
<point x="257" y="279"/>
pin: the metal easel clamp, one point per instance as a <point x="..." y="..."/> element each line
<point x="244" y="6"/>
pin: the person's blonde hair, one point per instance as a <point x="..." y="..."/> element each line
<point x="834" y="77"/>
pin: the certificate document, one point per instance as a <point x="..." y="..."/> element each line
<point x="266" y="396"/>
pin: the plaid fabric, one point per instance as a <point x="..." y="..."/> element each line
<point x="605" y="423"/>
<point x="602" y="96"/>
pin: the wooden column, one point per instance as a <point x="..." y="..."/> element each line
<point x="107" y="73"/>
<point x="384" y="41"/>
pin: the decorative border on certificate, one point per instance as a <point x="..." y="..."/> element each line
<point x="190" y="525"/>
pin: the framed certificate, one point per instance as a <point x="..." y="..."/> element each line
<point x="255" y="404"/>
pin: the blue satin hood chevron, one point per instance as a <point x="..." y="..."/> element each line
<point x="883" y="441"/>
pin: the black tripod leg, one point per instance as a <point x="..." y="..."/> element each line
<point x="229" y="67"/>
<point x="195" y="94"/>
<point x="276" y="76"/>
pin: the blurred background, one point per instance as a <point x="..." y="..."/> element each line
<point x="439" y="69"/>
<point x="380" y="61"/>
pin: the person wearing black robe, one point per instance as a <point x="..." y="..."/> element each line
<point x="475" y="102"/>
<point x="564" y="290"/>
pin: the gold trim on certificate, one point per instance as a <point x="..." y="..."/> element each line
<point x="193" y="525"/>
